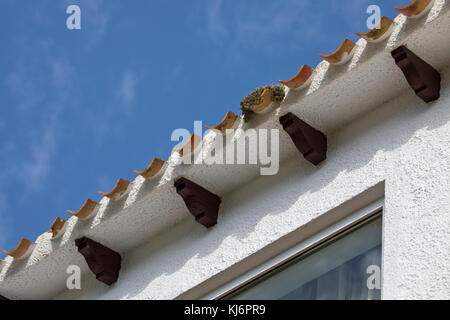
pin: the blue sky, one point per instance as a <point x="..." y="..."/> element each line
<point x="81" y="108"/>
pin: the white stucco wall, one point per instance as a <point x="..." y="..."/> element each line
<point x="404" y="142"/>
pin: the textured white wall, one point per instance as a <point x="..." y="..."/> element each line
<point x="404" y="142"/>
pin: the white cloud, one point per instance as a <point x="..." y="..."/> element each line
<point x="35" y="170"/>
<point x="265" y="24"/>
<point x="172" y="77"/>
<point x="127" y="90"/>
<point x="105" y="123"/>
<point x="22" y="85"/>
<point x="3" y="222"/>
<point x="95" y="18"/>
<point x="252" y="23"/>
<point x="215" y="25"/>
<point x="351" y="9"/>
<point x="3" y="203"/>
<point x="62" y="73"/>
<point x="103" y="183"/>
<point x="98" y="17"/>
<point x="42" y="86"/>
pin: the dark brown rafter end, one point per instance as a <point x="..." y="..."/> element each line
<point x="310" y="142"/>
<point x="423" y="78"/>
<point x="103" y="262"/>
<point x="202" y="204"/>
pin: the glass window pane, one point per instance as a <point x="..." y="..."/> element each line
<point x="336" y="269"/>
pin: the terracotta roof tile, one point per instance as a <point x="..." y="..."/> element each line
<point x="58" y="228"/>
<point x="301" y="79"/>
<point x="267" y="97"/>
<point x="153" y="168"/>
<point x="86" y="210"/>
<point x="416" y="9"/>
<point x="227" y="122"/>
<point x="342" y="54"/>
<point x="119" y="190"/>
<point x="381" y="32"/>
<point x="23" y="249"/>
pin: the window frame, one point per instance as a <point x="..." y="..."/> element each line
<point x="358" y="217"/>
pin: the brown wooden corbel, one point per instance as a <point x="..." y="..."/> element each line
<point x="103" y="262"/>
<point x="423" y="78"/>
<point x="203" y="204"/>
<point x="310" y="142"/>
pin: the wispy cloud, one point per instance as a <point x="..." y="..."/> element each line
<point x="3" y="221"/>
<point x="253" y="23"/>
<point x="62" y="73"/>
<point x="42" y="88"/>
<point x="173" y="76"/>
<point x="3" y="203"/>
<point x="36" y="168"/>
<point x="106" y="123"/>
<point x="23" y="85"/>
<point x="127" y="90"/>
<point x="95" y="20"/>
<point x="43" y="148"/>
<point x="351" y="9"/>
<point x="215" y="24"/>
<point x="274" y="26"/>
<point x="103" y="182"/>
<point x="98" y="14"/>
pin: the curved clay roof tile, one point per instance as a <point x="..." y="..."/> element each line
<point x="118" y="191"/>
<point x="23" y="249"/>
<point x="227" y="122"/>
<point x="86" y="210"/>
<point x="152" y="170"/>
<point x="301" y="79"/>
<point x="267" y="97"/>
<point x="416" y="9"/>
<point x="381" y="32"/>
<point x="58" y="227"/>
<point x="342" y="54"/>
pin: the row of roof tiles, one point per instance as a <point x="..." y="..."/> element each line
<point x="341" y="55"/>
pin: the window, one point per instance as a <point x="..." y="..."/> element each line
<point x="346" y="266"/>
